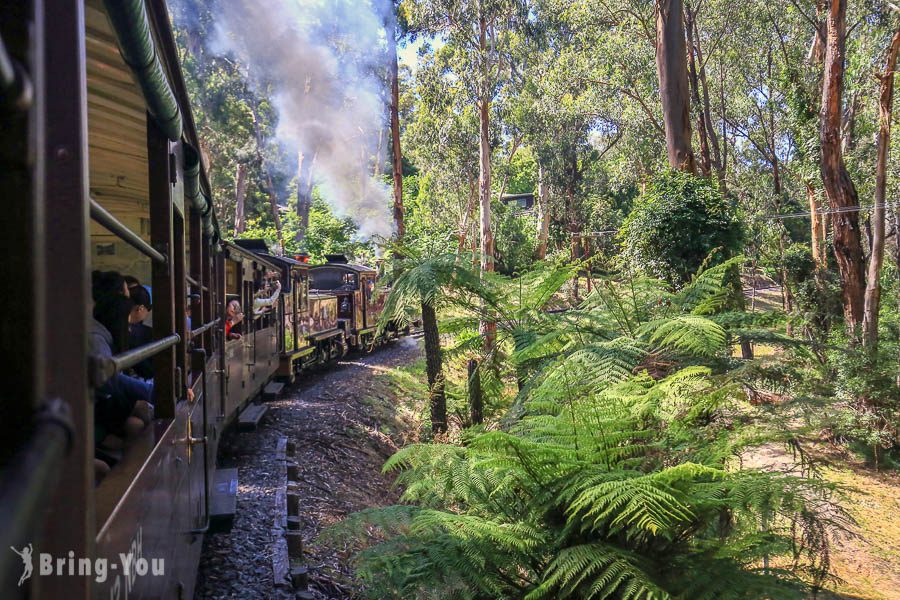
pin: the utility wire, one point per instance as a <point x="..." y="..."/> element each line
<point x="828" y="211"/>
<point x="796" y="215"/>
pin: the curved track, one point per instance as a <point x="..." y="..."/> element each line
<point x="345" y="423"/>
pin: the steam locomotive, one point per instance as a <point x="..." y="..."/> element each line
<point x="100" y="169"/>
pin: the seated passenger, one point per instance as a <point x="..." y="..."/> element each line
<point x="123" y="404"/>
<point x="140" y="334"/>
<point x="233" y="318"/>
<point x="131" y="281"/>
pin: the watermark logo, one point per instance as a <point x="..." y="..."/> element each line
<point x="130" y="565"/>
<point x="27" y="567"/>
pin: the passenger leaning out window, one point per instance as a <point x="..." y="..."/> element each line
<point x="233" y="318"/>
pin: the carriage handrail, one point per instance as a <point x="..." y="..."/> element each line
<point x="104" y="368"/>
<point x="28" y="482"/>
<point x="107" y="220"/>
<point x="195" y="283"/>
<point x="204" y="328"/>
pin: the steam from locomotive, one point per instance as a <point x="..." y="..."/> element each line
<point x="323" y="60"/>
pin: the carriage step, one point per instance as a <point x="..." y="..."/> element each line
<point x="272" y="391"/>
<point x="223" y="500"/>
<point x="249" y="419"/>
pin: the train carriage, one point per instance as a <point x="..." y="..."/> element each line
<point x="252" y="359"/>
<point x="309" y="332"/>
<point x="360" y="300"/>
<point x="101" y="171"/>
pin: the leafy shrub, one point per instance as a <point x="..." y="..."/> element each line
<point x="676" y="224"/>
<point x="515" y="239"/>
<point x="817" y="295"/>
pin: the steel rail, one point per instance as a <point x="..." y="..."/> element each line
<point x="130" y="358"/>
<point x="107" y="220"/>
<point x="104" y="368"/>
<point x="204" y="328"/>
<point x="195" y="283"/>
<point x="26" y="485"/>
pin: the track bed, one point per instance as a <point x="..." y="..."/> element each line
<point x="345" y="422"/>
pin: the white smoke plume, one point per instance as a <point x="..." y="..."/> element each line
<point x="323" y="59"/>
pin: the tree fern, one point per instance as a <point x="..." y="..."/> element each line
<point x="616" y="473"/>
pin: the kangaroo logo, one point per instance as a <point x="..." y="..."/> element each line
<point x="25" y="554"/>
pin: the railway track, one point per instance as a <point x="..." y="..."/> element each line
<point x="344" y="423"/>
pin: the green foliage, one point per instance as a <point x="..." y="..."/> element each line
<point x="327" y="234"/>
<point x="676" y="224"/>
<point x="614" y="476"/>
<point x="515" y="239"/>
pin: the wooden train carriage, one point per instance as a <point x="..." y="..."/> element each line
<point x="360" y="300"/>
<point x="309" y="332"/>
<point x="99" y="169"/>
<point x="251" y="360"/>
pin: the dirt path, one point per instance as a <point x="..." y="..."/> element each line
<point x="345" y="421"/>
<point x="867" y="563"/>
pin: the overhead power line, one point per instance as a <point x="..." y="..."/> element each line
<point x="829" y="211"/>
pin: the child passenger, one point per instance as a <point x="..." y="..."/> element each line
<point x="122" y="403"/>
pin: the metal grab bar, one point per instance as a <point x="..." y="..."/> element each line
<point x="27" y="486"/>
<point x="199" y="356"/>
<point x="204" y="328"/>
<point x="195" y="283"/>
<point x="16" y="89"/>
<point x="107" y="220"/>
<point x="104" y="368"/>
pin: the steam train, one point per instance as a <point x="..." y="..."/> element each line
<point x="100" y="169"/>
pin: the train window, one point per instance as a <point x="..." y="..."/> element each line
<point x="345" y="307"/>
<point x="232" y="277"/>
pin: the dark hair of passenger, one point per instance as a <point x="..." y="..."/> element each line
<point x="111" y="307"/>
<point x="131" y="281"/>
<point x="141" y="297"/>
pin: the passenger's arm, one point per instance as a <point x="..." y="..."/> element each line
<point x="130" y="387"/>
<point x="260" y="303"/>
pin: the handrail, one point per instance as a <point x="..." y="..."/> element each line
<point x="16" y="90"/>
<point x="195" y="283"/>
<point x="107" y="220"/>
<point x="204" y="328"/>
<point x="27" y="484"/>
<point x="104" y="368"/>
<point x="199" y="356"/>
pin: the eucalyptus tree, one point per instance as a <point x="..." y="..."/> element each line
<point x="671" y="66"/>
<point x="441" y="129"/>
<point x="479" y="33"/>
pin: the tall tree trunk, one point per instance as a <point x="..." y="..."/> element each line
<point x="543" y="200"/>
<point x="717" y="163"/>
<point x="396" y="154"/>
<point x="488" y="328"/>
<point x="671" y="67"/>
<point x="506" y="172"/>
<point x="705" y="158"/>
<point x="885" y="112"/>
<point x="816" y="53"/>
<point x="434" y="369"/>
<point x="468" y="216"/>
<point x="240" y="191"/>
<point x="839" y="188"/>
<point x="724" y="179"/>
<point x="273" y="200"/>
<point x="476" y="403"/>
<point x="816" y="227"/>
<point x="304" y="192"/>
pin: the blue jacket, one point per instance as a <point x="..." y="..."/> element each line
<point x="119" y="385"/>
